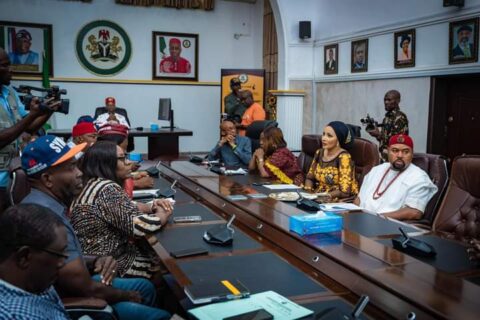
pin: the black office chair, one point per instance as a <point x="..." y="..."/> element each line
<point x="256" y="128"/>
<point x="356" y="130"/>
<point x="123" y="112"/>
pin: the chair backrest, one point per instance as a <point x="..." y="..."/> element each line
<point x="18" y="187"/>
<point x="365" y="156"/>
<point x="459" y="212"/>
<point x="254" y="130"/>
<point x="356" y="130"/>
<point x="121" y="111"/>
<point x="436" y="168"/>
<point x="310" y="144"/>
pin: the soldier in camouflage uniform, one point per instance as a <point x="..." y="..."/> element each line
<point x="395" y="122"/>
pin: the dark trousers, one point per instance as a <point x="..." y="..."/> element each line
<point x="4" y="201"/>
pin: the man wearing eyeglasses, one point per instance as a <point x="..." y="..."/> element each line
<point x="33" y="241"/>
<point x="55" y="179"/>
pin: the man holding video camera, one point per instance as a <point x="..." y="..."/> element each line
<point x="394" y="122"/>
<point x="14" y="120"/>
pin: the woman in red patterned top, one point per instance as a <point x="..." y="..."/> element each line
<point x="274" y="160"/>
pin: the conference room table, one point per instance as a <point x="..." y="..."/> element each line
<point x="162" y="142"/>
<point x="320" y="271"/>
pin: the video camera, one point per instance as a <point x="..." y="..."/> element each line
<point x="370" y="123"/>
<point x="53" y="92"/>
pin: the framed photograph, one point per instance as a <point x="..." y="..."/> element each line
<point x="359" y="56"/>
<point x="463" y="41"/>
<point x="404" y="44"/>
<point x="331" y="59"/>
<point x="175" y="56"/>
<point x="26" y="44"/>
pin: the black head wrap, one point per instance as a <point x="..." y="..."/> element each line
<point x="343" y="133"/>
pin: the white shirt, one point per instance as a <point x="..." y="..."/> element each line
<point x="102" y="119"/>
<point x="413" y="188"/>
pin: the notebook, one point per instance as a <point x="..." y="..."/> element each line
<point x="216" y="291"/>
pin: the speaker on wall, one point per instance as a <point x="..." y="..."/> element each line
<point x="305" y="29"/>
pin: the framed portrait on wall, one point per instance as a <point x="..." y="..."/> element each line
<point x="26" y="44"/>
<point x="404" y="43"/>
<point x="359" y="56"/>
<point x="331" y="59"/>
<point x="463" y="41"/>
<point x="175" y="56"/>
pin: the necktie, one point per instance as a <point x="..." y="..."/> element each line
<point x="466" y="51"/>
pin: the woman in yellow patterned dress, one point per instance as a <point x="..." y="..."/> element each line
<point x="332" y="169"/>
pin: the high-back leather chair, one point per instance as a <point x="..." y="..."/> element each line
<point x="254" y="130"/>
<point x="123" y="112"/>
<point x="18" y="187"/>
<point x="436" y="168"/>
<point x="310" y="144"/>
<point x="459" y="213"/>
<point x="365" y="155"/>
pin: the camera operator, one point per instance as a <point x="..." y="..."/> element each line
<point x="394" y="122"/>
<point x="14" y="121"/>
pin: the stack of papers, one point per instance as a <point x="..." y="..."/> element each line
<point x="239" y="171"/>
<point x="281" y="186"/>
<point x="280" y="307"/>
<point x="339" y="207"/>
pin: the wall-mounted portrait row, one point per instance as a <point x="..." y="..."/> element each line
<point x="462" y="48"/>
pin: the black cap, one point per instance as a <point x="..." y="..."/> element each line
<point x="234" y="81"/>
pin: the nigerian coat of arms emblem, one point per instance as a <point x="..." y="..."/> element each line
<point x="103" y="48"/>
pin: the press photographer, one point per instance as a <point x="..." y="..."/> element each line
<point x="394" y="122"/>
<point x="15" y="120"/>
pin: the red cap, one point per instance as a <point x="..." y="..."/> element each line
<point x="174" y="40"/>
<point x="83" y="128"/>
<point x="110" y="100"/>
<point x="113" y="128"/>
<point x="401" y="139"/>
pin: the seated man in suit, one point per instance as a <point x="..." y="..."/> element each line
<point x="231" y="149"/>
<point x="397" y="189"/>
<point x="111" y="114"/>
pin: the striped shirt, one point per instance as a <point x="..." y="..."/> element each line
<point x="107" y="222"/>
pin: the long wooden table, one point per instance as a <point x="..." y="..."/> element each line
<point x="161" y="142"/>
<point x="358" y="261"/>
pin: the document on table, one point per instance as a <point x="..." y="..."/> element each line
<point x="338" y="207"/>
<point x="280" y="307"/>
<point x="281" y="186"/>
<point x="153" y="192"/>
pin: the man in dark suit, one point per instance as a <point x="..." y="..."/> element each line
<point x="331" y="64"/>
<point x="464" y="48"/>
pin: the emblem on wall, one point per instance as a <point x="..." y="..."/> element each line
<point x="103" y="48"/>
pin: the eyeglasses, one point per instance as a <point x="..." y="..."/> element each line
<point x="54" y="253"/>
<point x="124" y="158"/>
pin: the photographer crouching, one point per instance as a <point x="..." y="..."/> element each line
<point x="15" y="120"/>
<point x="394" y="122"/>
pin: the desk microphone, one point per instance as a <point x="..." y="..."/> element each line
<point x="413" y="246"/>
<point x="360" y="306"/>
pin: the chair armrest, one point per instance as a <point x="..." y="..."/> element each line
<point x="84" y="303"/>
